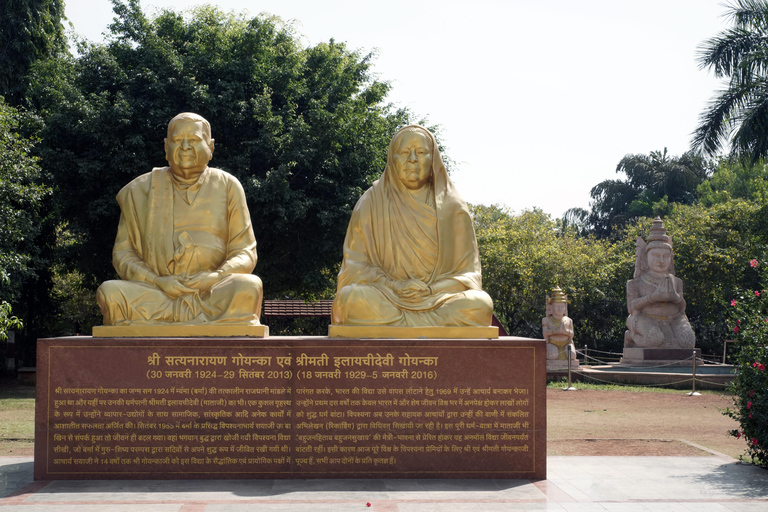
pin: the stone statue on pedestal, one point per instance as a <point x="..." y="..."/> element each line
<point x="185" y="248"/>
<point x="557" y="328"/>
<point x="410" y="254"/>
<point x="655" y="301"/>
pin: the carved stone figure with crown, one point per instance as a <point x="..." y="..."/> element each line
<point x="557" y="328"/>
<point x="655" y="297"/>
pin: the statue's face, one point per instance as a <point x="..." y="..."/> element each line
<point x="659" y="260"/>
<point x="187" y="149"/>
<point x="413" y="160"/>
<point x="558" y="310"/>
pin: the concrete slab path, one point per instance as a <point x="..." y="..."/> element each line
<point x="574" y="484"/>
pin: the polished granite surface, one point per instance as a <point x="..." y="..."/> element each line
<point x="699" y="484"/>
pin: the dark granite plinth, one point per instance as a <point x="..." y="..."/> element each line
<point x="293" y="407"/>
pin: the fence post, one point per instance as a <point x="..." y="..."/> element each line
<point x="585" y="353"/>
<point x="693" y="376"/>
<point x="568" y="352"/>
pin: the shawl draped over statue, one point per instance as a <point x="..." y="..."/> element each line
<point x="394" y="236"/>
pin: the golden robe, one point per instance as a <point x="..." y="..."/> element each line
<point x="172" y="228"/>
<point x="392" y="236"/>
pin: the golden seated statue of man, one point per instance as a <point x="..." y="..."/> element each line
<point x="410" y="254"/>
<point x="184" y="249"/>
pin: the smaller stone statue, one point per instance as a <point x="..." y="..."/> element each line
<point x="655" y="297"/>
<point x="557" y="328"/>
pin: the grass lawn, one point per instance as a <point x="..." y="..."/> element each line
<point x="17" y="420"/>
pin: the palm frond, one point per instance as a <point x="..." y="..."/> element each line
<point x="748" y="13"/>
<point x="725" y="52"/>
<point x="720" y="118"/>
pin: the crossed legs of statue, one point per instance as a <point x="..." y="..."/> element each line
<point x="652" y="332"/>
<point x="234" y="299"/>
<point x="360" y="304"/>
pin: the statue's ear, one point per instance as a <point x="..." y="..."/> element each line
<point x="165" y="145"/>
<point x="210" y="144"/>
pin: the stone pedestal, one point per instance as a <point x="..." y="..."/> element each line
<point x="561" y="365"/>
<point x="290" y="407"/>
<point x="660" y="356"/>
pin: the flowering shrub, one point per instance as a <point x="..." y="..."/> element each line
<point x="749" y="321"/>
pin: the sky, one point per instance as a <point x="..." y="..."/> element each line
<point x="537" y="101"/>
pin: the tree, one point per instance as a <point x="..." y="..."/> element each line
<point x="304" y="129"/>
<point x="653" y="181"/>
<point x="21" y="198"/>
<point x="735" y="179"/>
<point x="739" y="114"/>
<point x="525" y="256"/>
<point x="23" y="260"/>
<point x="30" y="30"/>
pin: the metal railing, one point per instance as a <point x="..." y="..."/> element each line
<point x="693" y="379"/>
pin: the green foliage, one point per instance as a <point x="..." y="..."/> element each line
<point x="21" y="198"/>
<point x="739" y="55"/>
<point x="524" y="256"/>
<point x="748" y="314"/>
<point x="653" y="182"/>
<point x="305" y="130"/>
<point x="7" y="321"/>
<point x="75" y="304"/>
<point x="30" y="30"/>
<point x="735" y="180"/>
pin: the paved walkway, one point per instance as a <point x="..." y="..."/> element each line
<point x="698" y="484"/>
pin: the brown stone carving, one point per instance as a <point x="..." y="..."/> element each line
<point x="290" y="408"/>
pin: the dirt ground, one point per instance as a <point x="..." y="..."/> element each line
<point x="589" y="422"/>
<point x="595" y="422"/>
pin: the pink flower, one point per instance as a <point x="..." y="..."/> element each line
<point x="751" y="392"/>
<point x="754" y="365"/>
<point x="750" y="415"/>
<point x="754" y="441"/>
<point x="749" y="405"/>
<point x="733" y="302"/>
<point x="736" y="329"/>
<point x="738" y="435"/>
<point x="753" y="263"/>
<point x="757" y="293"/>
<point x="738" y="322"/>
<point x="761" y="367"/>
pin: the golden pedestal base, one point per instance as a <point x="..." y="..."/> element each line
<point x="383" y="332"/>
<point x="180" y="331"/>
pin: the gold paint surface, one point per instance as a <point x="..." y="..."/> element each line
<point x="185" y="249"/>
<point x="180" y="331"/>
<point x="410" y="254"/>
<point x="385" y="332"/>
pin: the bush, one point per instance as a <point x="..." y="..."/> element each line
<point x="749" y="321"/>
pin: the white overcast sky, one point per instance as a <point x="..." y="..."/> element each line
<point x="537" y="100"/>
